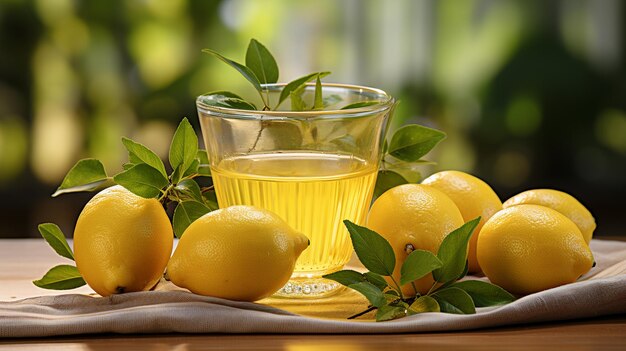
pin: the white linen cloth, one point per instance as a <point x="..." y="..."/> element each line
<point x="602" y="291"/>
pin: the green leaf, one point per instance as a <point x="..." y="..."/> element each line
<point x="454" y="300"/>
<point x="423" y="304"/>
<point x="376" y="279"/>
<point x="297" y="84"/>
<point x="345" y="277"/>
<point x="465" y="271"/>
<point x="371" y="292"/>
<point x="61" y="277"/>
<point x="387" y="180"/>
<point x="226" y="99"/>
<point x="192" y="169"/>
<point x="485" y="294"/>
<point x="176" y="174"/>
<point x="318" y="101"/>
<point x="142" y="180"/>
<point x="418" y="264"/>
<point x="297" y="103"/>
<point x="261" y="62"/>
<point x="189" y="189"/>
<point x="204" y="170"/>
<point x="245" y="71"/>
<point x="386" y="313"/>
<point x="360" y="104"/>
<point x="184" y="146"/>
<point x="202" y="156"/>
<point x="56" y="239"/>
<point x="373" y="250"/>
<point x="86" y="175"/>
<point x="210" y="199"/>
<point x="408" y="170"/>
<point x="413" y="141"/>
<point x="139" y="153"/>
<point x="187" y="212"/>
<point x="453" y="252"/>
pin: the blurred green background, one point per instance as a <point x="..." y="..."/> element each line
<point x="531" y="93"/>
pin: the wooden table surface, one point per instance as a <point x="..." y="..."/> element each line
<point x="18" y="269"/>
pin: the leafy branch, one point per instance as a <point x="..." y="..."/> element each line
<point x="145" y="175"/>
<point x="447" y="294"/>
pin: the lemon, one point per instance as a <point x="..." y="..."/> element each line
<point x="562" y="202"/>
<point x="473" y="197"/>
<point x="529" y="248"/>
<point x="410" y="217"/>
<point x="122" y="242"/>
<point x="239" y="253"/>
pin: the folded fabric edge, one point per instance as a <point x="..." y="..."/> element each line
<point x="224" y="318"/>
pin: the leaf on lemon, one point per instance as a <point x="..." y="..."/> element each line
<point x="454" y="300"/>
<point x="484" y="294"/>
<point x="418" y="264"/>
<point x="453" y="252"/>
<point x="184" y="146"/>
<point x="387" y="313"/>
<point x="411" y="142"/>
<point x="86" y="175"/>
<point x="373" y="250"/>
<point x="139" y="153"/>
<point x="210" y="200"/>
<point x="371" y="292"/>
<point x="387" y="180"/>
<point x="61" y="277"/>
<point x="142" y="180"/>
<point x="423" y="304"/>
<point x="187" y="212"/>
<point x="56" y="239"/>
<point x="189" y="189"/>
<point x="376" y="279"/>
<point x="345" y="277"/>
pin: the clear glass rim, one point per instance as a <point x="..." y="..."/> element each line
<point x="385" y="103"/>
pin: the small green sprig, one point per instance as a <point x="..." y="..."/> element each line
<point x="402" y="155"/>
<point x="260" y="70"/>
<point x="145" y="175"/>
<point x="446" y="294"/>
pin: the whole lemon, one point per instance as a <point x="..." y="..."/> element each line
<point x="239" y="253"/>
<point x="122" y="242"/>
<point x="529" y="248"/>
<point x="562" y="202"/>
<point x="411" y="217"/>
<point x="473" y="197"/>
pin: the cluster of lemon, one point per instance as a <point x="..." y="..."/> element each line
<point x="536" y="240"/>
<point x="123" y="242"/>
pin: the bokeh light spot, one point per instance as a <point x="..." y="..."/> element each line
<point x="13" y="148"/>
<point x="523" y="116"/>
<point x="611" y="130"/>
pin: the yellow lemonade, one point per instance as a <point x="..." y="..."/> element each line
<point x="314" y="192"/>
